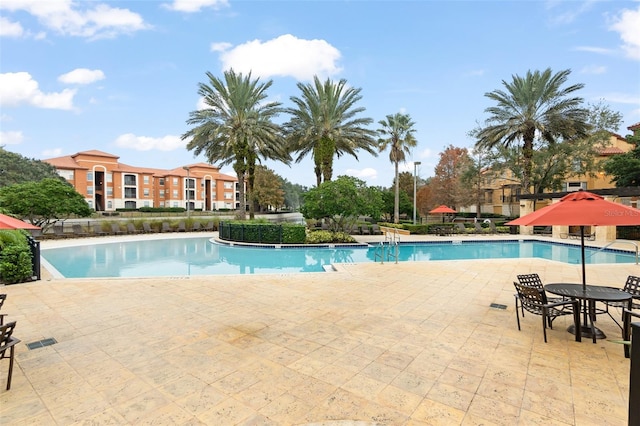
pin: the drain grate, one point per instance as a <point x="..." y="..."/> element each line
<point x="498" y="306"/>
<point x="41" y="343"/>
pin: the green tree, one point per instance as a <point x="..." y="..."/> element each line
<point x="268" y="192"/>
<point x="625" y="168"/>
<point x="552" y="163"/>
<point x="405" y="207"/>
<point x="341" y="202"/>
<point x="398" y="135"/>
<point x="236" y="128"/>
<point x="45" y="202"/>
<point x="325" y="122"/>
<point x="406" y="183"/>
<point x="14" y="168"/>
<point x="534" y="108"/>
<point x="293" y="194"/>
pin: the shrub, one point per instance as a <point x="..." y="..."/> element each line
<point x="327" y="237"/>
<point x="262" y="232"/>
<point x="15" y="257"/>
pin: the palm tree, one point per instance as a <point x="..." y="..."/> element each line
<point x="398" y="134"/>
<point x="236" y="127"/>
<point x="534" y="107"/>
<point x="324" y="123"/>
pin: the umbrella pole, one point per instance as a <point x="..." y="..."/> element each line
<point x="584" y="276"/>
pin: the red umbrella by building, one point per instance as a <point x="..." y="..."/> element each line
<point x="442" y="209"/>
<point x="581" y="208"/>
<point x="8" y="222"/>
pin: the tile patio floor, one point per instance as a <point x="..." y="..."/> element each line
<point x="414" y="343"/>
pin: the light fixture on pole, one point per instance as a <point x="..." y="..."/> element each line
<point x="188" y="186"/>
<point x="415" y="187"/>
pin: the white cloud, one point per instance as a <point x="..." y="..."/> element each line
<point x="365" y="174"/>
<point x="52" y="152"/>
<point x="593" y="49"/>
<point x="201" y="104"/>
<point x="191" y="6"/>
<point x="10" y="29"/>
<point x="81" y="76"/>
<point x="65" y="17"/>
<point x="20" y="88"/>
<point x="283" y="56"/>
<point x="146" y="143"/>
<point x="220" y="46"/>
<point x="621" y="98"/>
<point x="627" y="24"/>
<point x="594" y="69"/>
<point x="11" y="138"/>
<point x="574" y="10"/>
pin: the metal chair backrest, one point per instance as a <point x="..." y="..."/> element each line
<point x="531" y="298"/>
<point x="5" y="335"/>
<point x="531" y="280"/>
<point x="632" y="286"/>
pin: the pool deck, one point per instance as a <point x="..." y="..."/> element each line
<point x="413" y="343"/>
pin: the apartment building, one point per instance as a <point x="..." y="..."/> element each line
<point x="501" y="191"/>
<point x="108" y="185"/>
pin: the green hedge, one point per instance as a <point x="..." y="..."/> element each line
<point x="260" y="232"/>
<point x="15" y="258"/>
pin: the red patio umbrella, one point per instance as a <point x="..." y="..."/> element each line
<point x="8" y="222"/>
<point x="581" y="208"/>
<point x="443" y="210"/>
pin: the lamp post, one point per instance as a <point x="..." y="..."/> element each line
<point x="188" y="184"/>
<point x="415" y="187"/>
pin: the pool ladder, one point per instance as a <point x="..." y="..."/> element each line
<point x="633" y="243"/>
<point x="388" y="248"/>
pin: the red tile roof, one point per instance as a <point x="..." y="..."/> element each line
<point x="634" y="126"/>
<point x="610" y="150"/>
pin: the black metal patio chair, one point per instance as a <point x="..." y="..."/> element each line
<point x="7" y="344"/>
<point x="534" y="301"/>
<point x="626" y="329"/>
<point x="631" y="286"/>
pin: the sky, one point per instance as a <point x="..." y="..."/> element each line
<point x="122" y="76"/>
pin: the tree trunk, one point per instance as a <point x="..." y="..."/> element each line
<point x="251" y="177"/>
<point x="396" y="199"/>
<point x="527" y="155"/>
<point x="241" y="212"/>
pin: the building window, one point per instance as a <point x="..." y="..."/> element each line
<point x="129" y="193"/>
<point x="162" y="193"/>
<point x="228" y="185"/>
<point x="228" y="196"/>
<point x="146" y="204"/>
<point x="175" y="193"/>
<point x="109" y="177"/>
<point x="89" y="176"/>
<point x="161" y="181"/>
<point x="145" y="179"/>
<point x="129" y="204"/>
<point x="175" y="180"/>
<point x="109" y="204"/>
<point x="130" y="180"/>
<point x="67" y="174"/>
<point x="110" y="191"/>
<point x="145" y="192"/>
<point x="575" y="186"/>
<point x="89" y="190"/>
<point x="175" y="204"/>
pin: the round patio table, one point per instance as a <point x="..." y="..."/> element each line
<point x="588" y="296"/>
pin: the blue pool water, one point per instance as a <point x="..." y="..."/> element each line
<point x="200" y="256"/>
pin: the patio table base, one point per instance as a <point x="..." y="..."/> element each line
<point x="586" y="331"/>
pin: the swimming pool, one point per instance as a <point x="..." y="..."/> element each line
<point x="201" y="256"/>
